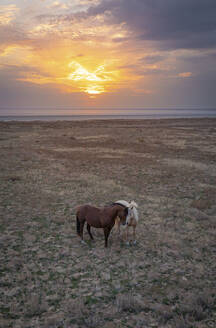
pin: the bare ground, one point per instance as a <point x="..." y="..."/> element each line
<point x="48" y="279"/>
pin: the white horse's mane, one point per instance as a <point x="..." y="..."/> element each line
<point x="127" y="204"/>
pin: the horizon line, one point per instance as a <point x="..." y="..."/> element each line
<point x="104" y="108"/>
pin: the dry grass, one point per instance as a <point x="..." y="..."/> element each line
<point x="48" y="279"/>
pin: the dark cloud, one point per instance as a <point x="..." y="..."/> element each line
<point x="173" y="24"/>
<point x="120" y="40"/>
<point x="199" y="57"/>
<point x="152" y="59"/>
<point x="10" y="34"/>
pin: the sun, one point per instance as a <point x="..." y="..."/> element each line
<point x="94" y="89"/>
<point x="91" y="82"/>
<point x="82" y="74"/>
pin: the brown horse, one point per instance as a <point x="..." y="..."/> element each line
<point x="99" y="218"/>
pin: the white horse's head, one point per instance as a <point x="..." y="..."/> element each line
<point x="132" y="209"/>
<point x="132" y="204"/>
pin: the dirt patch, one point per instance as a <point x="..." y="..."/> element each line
<point x="104" y="152"/>
<point x="100" y="136"/>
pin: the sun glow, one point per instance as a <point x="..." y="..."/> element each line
<point x="82" y="74"/>
<point x="91" y="82"/>
<point x="94" y="90"/>
<point x="88" y="74"/>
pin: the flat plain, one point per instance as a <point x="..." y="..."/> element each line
<point x="49" y="279"/>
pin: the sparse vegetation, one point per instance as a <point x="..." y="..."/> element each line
<point x="48" y="279"/>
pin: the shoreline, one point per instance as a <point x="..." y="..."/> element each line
<point x="106" y="118"/>
<point x="106" y="114"/>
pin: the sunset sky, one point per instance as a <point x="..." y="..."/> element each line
<point x="108" y="53"/>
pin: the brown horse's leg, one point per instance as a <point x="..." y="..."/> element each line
<point x="106" y="235"/>
<point x="89" y="231"/>
<point x="81" y="229"/>
<point x="119" y="232"/>
<point x="117" y="225"/>
<point x="78" y="225"/>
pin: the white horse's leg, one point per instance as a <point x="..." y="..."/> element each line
<point x="134" y="235"/>
<point x="127" y="236"/>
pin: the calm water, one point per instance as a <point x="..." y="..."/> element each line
<point x="89" y="114"/>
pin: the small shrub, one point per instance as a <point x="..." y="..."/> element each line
<point x="201" y="204"/>
<point x="92" y="321"/>
<point x="35" y="306"/>
<point x="128" y="303"/>
<point x="181" y="322"/>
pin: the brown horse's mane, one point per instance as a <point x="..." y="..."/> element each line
<point x="111" y="205"/>
<point x="103" y="207"/>
<point x="118" y="204"/>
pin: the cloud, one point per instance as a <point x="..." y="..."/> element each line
<point x="185" y="74"/>
<point x="171" y="24"/>
<point x="152" y="59"/>
<point x="7" y="14"/>
<point x="10" y="34"/>
<point x="57" y="5"/>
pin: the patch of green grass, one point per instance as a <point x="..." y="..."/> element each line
<point x="2" y="228"/>
<point x="54" y="302"/>
<point x="89" y="300"/>
<point x="53" y="276"/>
<point x="20" y="234"/>
<point x="166" y="301"/>
<point x="42" y="220"/>
<point x="7" y="314"/>
<point x="75" y="282"/>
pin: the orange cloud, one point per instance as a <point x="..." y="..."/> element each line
<point x="185" y="74"/>
<point x="7" y="14"/>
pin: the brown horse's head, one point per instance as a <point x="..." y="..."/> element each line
<point x="123" y="214"/>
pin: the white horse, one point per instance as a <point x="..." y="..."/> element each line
<point x="132" y="219"/>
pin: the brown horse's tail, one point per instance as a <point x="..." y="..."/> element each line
<point x="78" y="225"/>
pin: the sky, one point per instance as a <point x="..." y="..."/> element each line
<point x="107" y="54"/>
